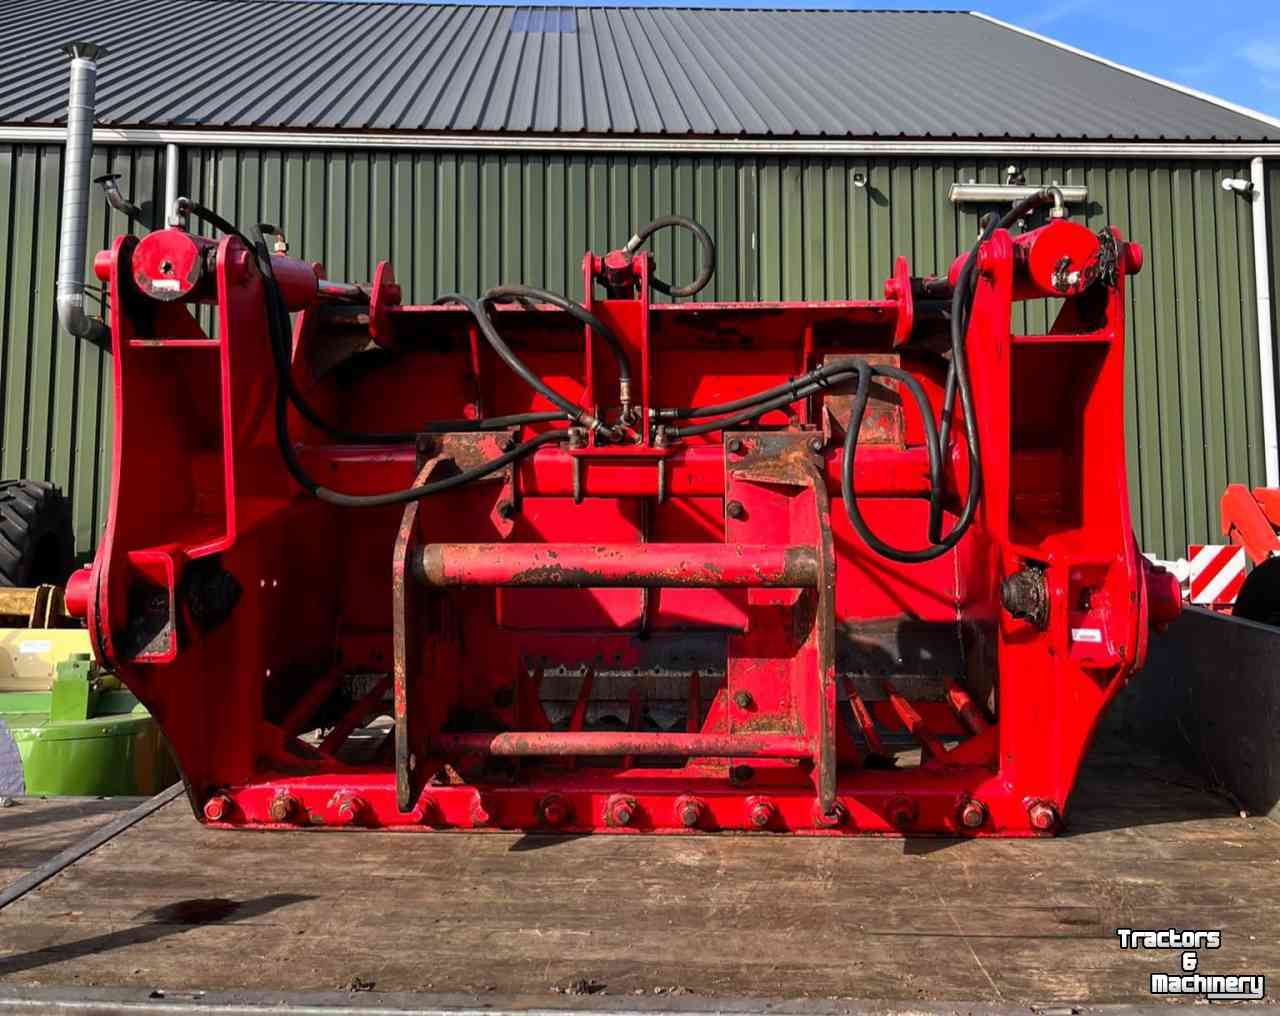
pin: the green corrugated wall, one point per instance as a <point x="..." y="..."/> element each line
<point x="786" y="228"/>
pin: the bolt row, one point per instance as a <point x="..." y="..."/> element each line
<point x="622" y="810"/>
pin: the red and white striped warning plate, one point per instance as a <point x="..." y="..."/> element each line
<point x="1217" y="573"/>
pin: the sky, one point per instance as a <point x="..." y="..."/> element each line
<point x="1231" y="51"/>
<point x="1228" y="50"/>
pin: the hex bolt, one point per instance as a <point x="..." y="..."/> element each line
<point x="217" y="808"/>
<point x="973" y="814"/>
<point x="689" y="810"/>
<point x="735" y="510"/>
<point x="554" y="810"/>
<point x="760" y="811"/>
<point x="619" y="810"/>
<point x="284" y="807"/>
<point x="351" y="808"/>
<point x="837" y="816"/>
<point x="480" y="814"/>
<point x="816" y="444"/>
<point x="743" y="699"/>
<point x="734" y="445"/>
<point x="1044" y="816"/>
<point x="903" y="812"/>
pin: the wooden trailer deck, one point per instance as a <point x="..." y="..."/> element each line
<point x="168" y="905"/>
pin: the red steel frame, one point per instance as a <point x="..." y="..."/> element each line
<point x="245" y="613"/>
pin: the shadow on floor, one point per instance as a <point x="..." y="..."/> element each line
<point x="173" y="919"/>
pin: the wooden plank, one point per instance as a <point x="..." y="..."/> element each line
<point x="34" y="829"/>
<point x="997" y="921"/>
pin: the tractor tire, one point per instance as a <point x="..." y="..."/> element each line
<point x="1259" y="598"/>
<point x="37" y="545"/>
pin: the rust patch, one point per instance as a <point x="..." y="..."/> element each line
<point x="884" y="422"/>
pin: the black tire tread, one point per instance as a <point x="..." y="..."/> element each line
<point x="32" y="513"/>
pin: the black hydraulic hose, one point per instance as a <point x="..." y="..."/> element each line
<point x="957" y="383"/>
<point x="281" y="346"/>
<point x="569" y="408"/>
<point x="795" y="385"/>
<point x="532" y="294"/>
<point x="704" y="241"/>
<point x="278" y="327"/>
<point x="849" y="495"/>
<point x="335" y="497"/>
<point x="829" y="375"/>
<point x="489" y="422"/>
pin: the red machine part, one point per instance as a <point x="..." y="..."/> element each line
<point x="1059" y="259"/>
<point x="1251" y="518"/>
<point x="633" y="626"/>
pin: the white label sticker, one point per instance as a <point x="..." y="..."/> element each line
<point x="1086" y="635"/>
<point x="32" y="646"/>
<point x="173" y="284"/>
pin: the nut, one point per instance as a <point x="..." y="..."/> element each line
<point x="760" y="811"/>
<point x="903" y="812"/>
<point x="743" y="699"/>
<point x="973" y="814"/>
<point x="349" y="809"/>
<point x="1044" y="816"/>
<point x="816" y="444"/>
<point x="283" y="808"/>
<point x="554" y="810"/>
<point x="734" y="445"/>
<point x="619" y="810"/>
<point x="689" y="811"/>
<point x="735" y="510"/>
<point x="217" y="808"/>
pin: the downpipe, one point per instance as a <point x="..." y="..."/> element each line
<point x="1266" y="348"/>
<point x="75" y="195"/>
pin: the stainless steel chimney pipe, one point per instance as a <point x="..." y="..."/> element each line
<point x="75" y="194"/>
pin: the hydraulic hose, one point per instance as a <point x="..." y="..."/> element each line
<point x="957" y="383"/>
<point x="489" y="422"/>
<point x="531" y="294"/>
<point x="704" y="241"/>
<point x="278" y="329"/>
<point x="797" y="386"/>
<point x="567" y="406"/>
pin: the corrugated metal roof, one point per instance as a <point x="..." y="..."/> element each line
<point x="301" y="64"/>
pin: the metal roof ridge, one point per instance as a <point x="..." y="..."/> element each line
<point x="634" y="6"/>
<point x="1194" y="93"/>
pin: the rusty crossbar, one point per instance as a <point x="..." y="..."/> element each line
<point x="590" y="742"/>
<point x="584" y="565"/>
